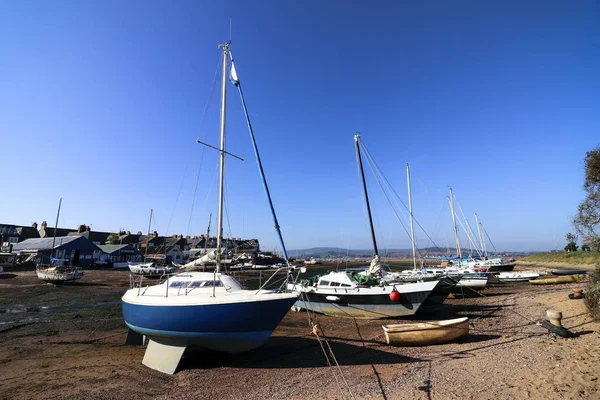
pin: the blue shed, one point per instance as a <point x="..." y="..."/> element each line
<point x="77" y="249"/>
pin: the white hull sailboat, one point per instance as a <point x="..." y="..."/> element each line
<point x="58" y="271"/>
<point x="368" y="295"/>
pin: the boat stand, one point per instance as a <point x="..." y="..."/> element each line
<point x="163" y="357"/>
<point x="135" y="339"/>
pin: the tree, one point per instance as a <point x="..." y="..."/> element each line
<point x="571" y="242"/>
<point x="587" y="219"/>
<point x="585" y="247"/>
<point x="113" y="238"/>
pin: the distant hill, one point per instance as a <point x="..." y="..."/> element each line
<point x="335" y="252"/>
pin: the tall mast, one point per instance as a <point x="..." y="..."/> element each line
<point x="451" y="200"/>
<point x="207" y="233"/>
<point x="364" y="182"/>
<point x="412" y="224"/>
<point x="55" y="228"/>
<point x="225" y="48"/>
<point x="148" y="235"/>
<point x="480" y="231"/>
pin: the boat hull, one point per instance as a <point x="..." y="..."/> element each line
<point x="502" y="267"/>
<point x="370" y="304"/>
<point x="58" y="278"/>
<point x="426" y="333"/>
<point x="440" y="293"/>
<point x="557" y="280"/>
<point x="232" y="327"/>
<point x="565" y="272"/>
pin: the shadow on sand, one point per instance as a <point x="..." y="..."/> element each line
<point x="8" y="276"/>
<point x="294" y="352"/>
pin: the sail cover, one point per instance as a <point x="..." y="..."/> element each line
<point x="232" y="74"/>
<point x="375" y="267"/>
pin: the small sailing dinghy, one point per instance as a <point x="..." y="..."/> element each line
<point x="206" y="310"/>
<point x="426" y="333"/>
<point x="58" y="271"/>
<point x="150" y="269"/>
<point x="517" y="276"/>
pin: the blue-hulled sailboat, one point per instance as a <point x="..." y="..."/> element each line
<point x="206" y="310"/>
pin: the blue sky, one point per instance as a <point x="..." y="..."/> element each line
<point x="101" y="103"/>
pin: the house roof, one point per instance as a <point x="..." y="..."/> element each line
<point x="59" y="231"/>
<point x="111" y="248"/>
<point x="92" y="236"/>
<point x="23" y="232"/>
<point x="43" y="244"/>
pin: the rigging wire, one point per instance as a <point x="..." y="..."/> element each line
<point x="391" y="189"/>
<point x="206" y="106"/>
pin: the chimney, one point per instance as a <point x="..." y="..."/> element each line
<point x="81" y="229"/>
<point x="155" y="234"/>
<point x="44" y="224"/>
<point x="34" y="225"/>
<point x="138" y="233"/>
<point x="87" y="228"/>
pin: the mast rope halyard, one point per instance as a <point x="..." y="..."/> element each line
<point x="377" y="172"/>
<point x="317" y="330"/>
<point x="206" y="106"/>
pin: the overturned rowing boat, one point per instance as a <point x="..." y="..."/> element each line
<point x="557" y="280"/>
<point x="426" y="333"/>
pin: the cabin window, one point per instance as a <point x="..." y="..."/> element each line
<point x="195" y="284"/>
<point x="212" y="283"/>
<point x="324" y="283"/>
<point x="345" y="285"/>
<point x="179" y="284"/>
<point x="334" y="284"/>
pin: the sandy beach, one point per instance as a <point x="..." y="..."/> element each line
<point x="68" y="342"/>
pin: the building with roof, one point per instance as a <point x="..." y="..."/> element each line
<point x="48" y="232"/>
<point x="77" y="249"/>
<point x="120" y="253"/>
<point x="98" y="238"/>
<point x="12" y="234"/>
<point x="170" y="254"/>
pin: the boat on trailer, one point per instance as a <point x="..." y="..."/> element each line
<point x="426" y="333"/>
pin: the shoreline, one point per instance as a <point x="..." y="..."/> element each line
<point x="75" y="349"/>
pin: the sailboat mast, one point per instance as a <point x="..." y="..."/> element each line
<point x="148" y="235"/>
<point x="55" y="228"/>
<point x="207" y="233"/>
<point x="225" y="48"/>
<point x="451" y="200"/>
<point x="364" y="182"/>
<point x="481" y="238"/>
<point x="412" y="224"/>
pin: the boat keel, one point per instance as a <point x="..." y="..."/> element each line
<point x="163" y="357"/>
